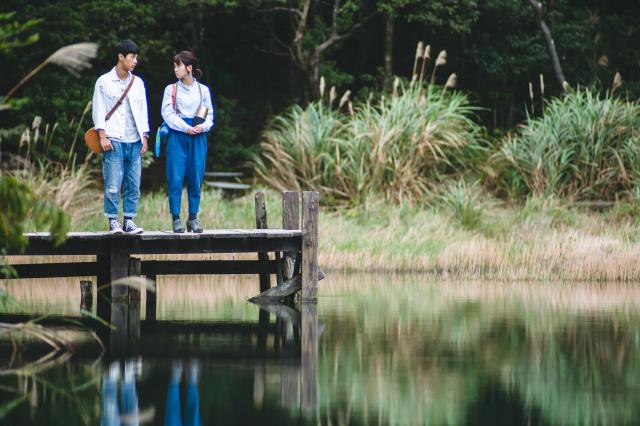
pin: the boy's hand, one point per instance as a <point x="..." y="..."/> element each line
<point x="105" y="144"/>
<point x="144" y="145"/>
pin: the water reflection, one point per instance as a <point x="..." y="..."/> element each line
<point x="174" y="415"/>
<point x="390" y="350"/>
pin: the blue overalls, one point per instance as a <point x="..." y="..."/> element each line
<point x="186" y="156"/>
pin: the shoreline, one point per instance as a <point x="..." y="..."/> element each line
<point x="537" y="241"/>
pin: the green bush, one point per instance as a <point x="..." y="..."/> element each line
<point x="399" y="147"/>
<point x="585" y="146"/>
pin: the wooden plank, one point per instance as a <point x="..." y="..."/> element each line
<point x="310" y="209"/>
<point x="213" y="267"/>
<point x="287" y="288"/>
<point x="235" y="243"/>
<point x="49" y="270"/>
<point x="279" y="292"/>
<point x="208" y="233"/>
<point x="261" y="223"/>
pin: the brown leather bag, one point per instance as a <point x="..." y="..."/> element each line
<point x="91" y="136"/>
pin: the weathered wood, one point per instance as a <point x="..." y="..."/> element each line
<point x="47" y="270"/>
<point x="150" y="313"/>
<point x="286" y="289"/>
<point x="290" y="220"/>
<point x="135" y="270"/>
<point x="119" y="269"/>
<point x="279" y="292"/>
<point x="160" y="242"/>
<point x="310" y="207"/>
<point x="261" y="223"/>
<point x="86" y="295"/>
<point x="309" y="359"/>
<point x="103" y="299"/>
<point x="213" y="267"/>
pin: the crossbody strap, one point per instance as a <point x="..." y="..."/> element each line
<point x="173" y="96"/>
<point x="124" y="95"/>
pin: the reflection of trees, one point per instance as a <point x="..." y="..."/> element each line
<point x="427" y="357"/>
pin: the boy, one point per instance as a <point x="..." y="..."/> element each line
<point x="123" y="135"/>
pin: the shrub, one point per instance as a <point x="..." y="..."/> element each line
<point x="585" y="146"/>
<point x="399" y="147"/>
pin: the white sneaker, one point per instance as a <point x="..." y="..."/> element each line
<point x="131" y="228"/>
<point x="115" y="227"/>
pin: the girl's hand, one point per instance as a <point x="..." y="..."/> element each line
<point x="198" y="128"/>
<point x="191" y="131"/>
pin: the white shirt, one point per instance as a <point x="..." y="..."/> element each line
<point x="187" y="103"/>
<point x="107" y="91"/>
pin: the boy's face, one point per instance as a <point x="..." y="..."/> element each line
<point x="128" y="62"/>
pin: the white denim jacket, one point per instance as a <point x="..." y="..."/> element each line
<point x="106" y="94"/>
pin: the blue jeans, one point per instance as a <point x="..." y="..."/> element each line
<point x="121" y="168"/>
<point x="186" y="157"/>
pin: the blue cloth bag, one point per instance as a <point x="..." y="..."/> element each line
<point x="162" y="135"/>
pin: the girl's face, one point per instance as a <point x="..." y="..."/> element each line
<point x="182" y="70"/>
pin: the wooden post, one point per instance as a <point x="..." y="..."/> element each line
<point x="290" y="220"/>
<point x="86" y="295"/>
<point x="310" y="208"/>
<point x="133" y="321"/>
<point x="151" y="300"/>
<point x="119" y="268"/>
<point x="135" y="270"/>
<point x="261" y="223"/>
<point x="103" y="299"/>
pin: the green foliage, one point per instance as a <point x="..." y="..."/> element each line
<point x="463" y="202"/>
<point x="585" y="146"/>
<point x="15" y="34"/>
<point x="398" y="147"/>
<point x="19" y="204"/>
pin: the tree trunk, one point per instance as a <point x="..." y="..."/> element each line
<point x="388" y="50"/>
<point x="551" y="45"/>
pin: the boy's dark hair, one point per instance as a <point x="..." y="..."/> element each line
<point x="125" y="47"/>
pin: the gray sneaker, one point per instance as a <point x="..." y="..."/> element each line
<point x="131" y="228"/>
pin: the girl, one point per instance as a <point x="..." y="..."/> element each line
<point x="187" y="141"/>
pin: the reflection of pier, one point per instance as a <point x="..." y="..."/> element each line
<point x="278" y="342"/>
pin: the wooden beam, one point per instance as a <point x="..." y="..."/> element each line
<point x="261" y="223"/>
<point x="50" y="270"/>
<point x="213" y="267"/>
<point x="310" y="209"/>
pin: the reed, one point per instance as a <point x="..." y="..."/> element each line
<point x="585" y="146"/>
<point x="399" y="147"/>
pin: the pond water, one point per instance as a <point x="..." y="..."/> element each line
<point x="404" y="350"/>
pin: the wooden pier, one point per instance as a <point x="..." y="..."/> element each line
<point x="294" y="263"/>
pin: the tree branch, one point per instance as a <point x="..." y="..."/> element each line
<point x="551" y="45"/>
